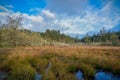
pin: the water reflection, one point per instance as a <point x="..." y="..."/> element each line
<point x="101" y="75"/>
<point x="38" y="76"/>
<point x="106" y="76"/>
<point x="3" y="75"/>
<point x="79" y="75"/>
<point x="48" y="67"/>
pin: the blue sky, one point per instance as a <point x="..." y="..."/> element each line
<point x="68" y="16"/>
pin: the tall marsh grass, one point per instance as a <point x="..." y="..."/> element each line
<point x="22" y="63"/>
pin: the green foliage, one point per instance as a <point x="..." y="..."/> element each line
<point x="55" y="35"/>
<point x="38" y="63"/>
<point x="49" y="76"/>
<point x="87" y="39"/>
<point x="12" y="35"/>
<point x="21" y="72"/>
<point x="13" y="38"/>
<point x="114" y="39"/>
<point x="87" y="69"/>
<point x="104" y="38"/>
<point x="72" y="68"/>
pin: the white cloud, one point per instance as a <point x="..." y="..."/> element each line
<point x="27" y="26"/>
<point x="3" y="17"/>
<point x="33" y="18"/>
<point x="4" y="9"/>
<point x="33" y="22"/>
<point x="48" y="14"/>
<point x="70" y="7"/>
<point x="91" y="21"/>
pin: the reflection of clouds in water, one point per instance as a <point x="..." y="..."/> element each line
<point x="48" y="67"/>
<point x="98" y="76"/>
<point x="79" y="75"/>
<point x="106" y="76"/>
<point x="3" y="75"/>
<point x="38" y="76"/>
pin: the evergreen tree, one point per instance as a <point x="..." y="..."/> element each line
<point x="87" y="39"/>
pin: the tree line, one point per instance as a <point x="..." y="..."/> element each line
<point x="104" y="37"/>
<point x="55" y="35"/>
<point x="12" y="34"/>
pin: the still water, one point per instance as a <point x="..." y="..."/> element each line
<point x="79" y="75"/>
<point x="106" y="76"/>
<point x="39" y="76"/>
<point x="101" y="75"/>
<point x="3" y="75"/>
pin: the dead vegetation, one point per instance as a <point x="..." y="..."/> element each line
<point x="65" y="61"/>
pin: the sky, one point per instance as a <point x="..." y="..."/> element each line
<point x="68" y="16"/>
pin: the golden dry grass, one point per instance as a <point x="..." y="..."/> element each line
<point x="64" y="59"/>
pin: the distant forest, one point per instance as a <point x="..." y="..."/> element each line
<point x="104" y="37"/>
<point x="12" y="34"/>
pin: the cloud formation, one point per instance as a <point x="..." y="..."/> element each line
<point x="3" y="9"/>
<point x="70" y="16"/>
<point x="69" y="7"/>
<point x="48" y="14"/>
